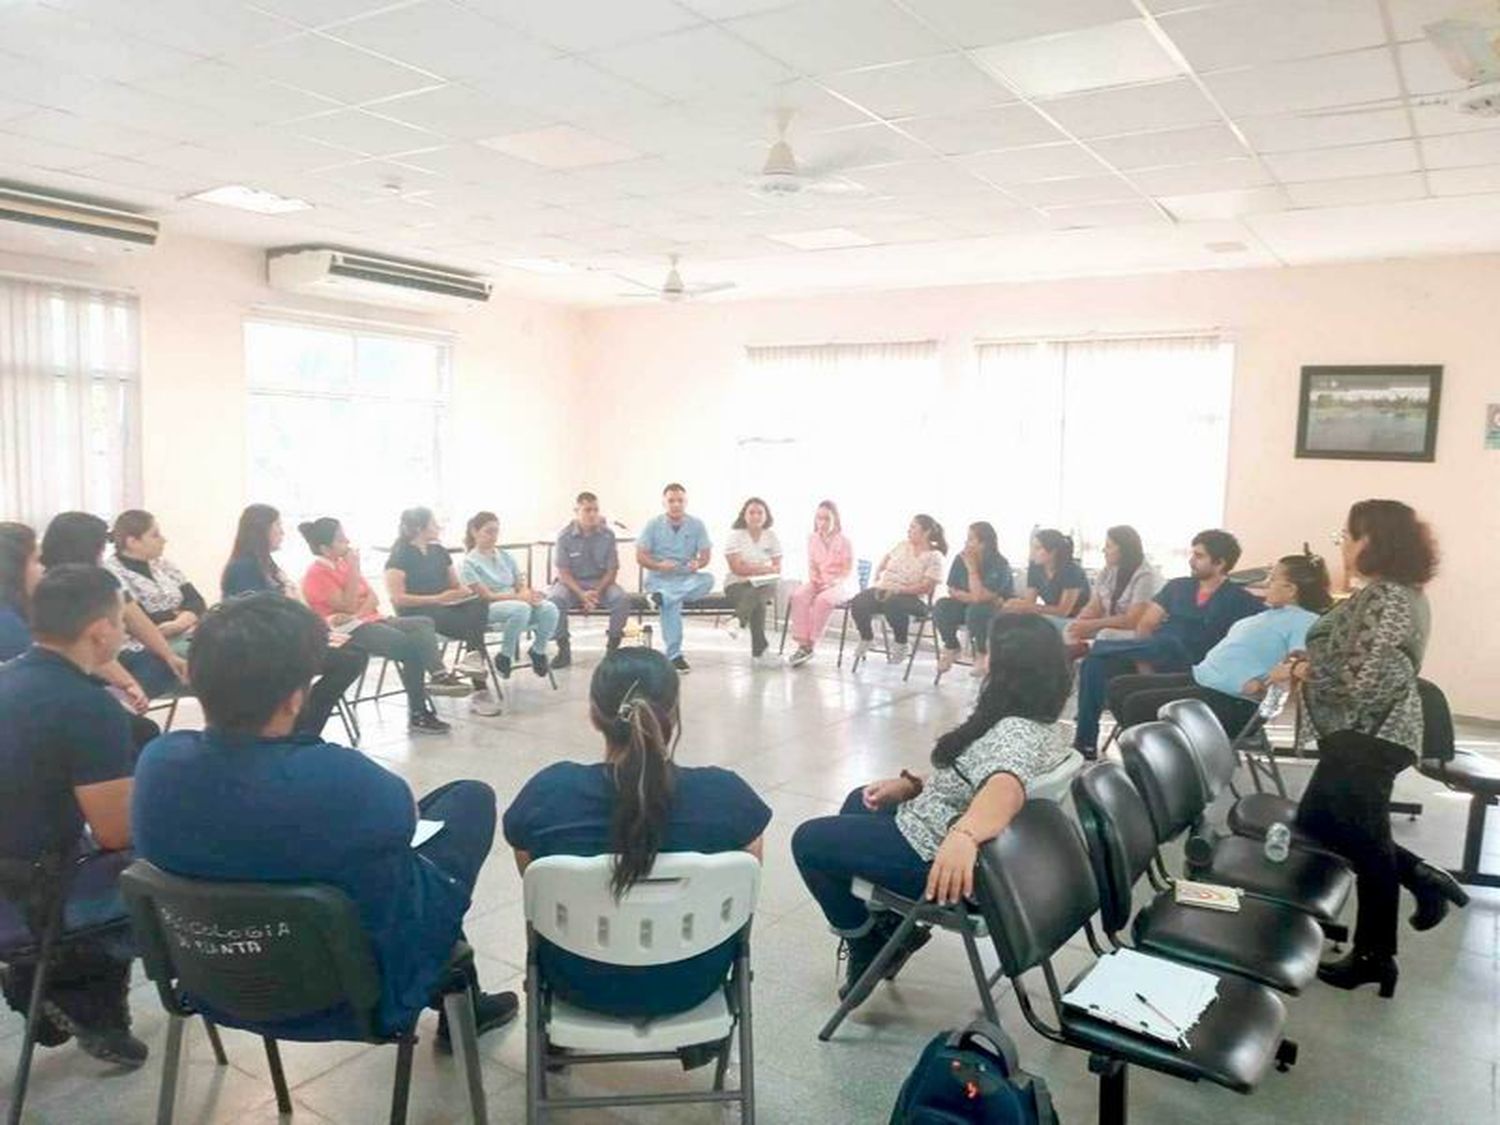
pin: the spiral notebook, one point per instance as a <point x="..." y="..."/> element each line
<point x="1149" y="995"/>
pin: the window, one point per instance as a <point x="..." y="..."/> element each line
<point x="69" y="401"/>
<point x="1088" y="434"/>
<point x="344" y="422"/>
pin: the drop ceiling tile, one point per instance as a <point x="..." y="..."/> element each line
<point x="561" y="146"/>
<point x="1041" y="162"/>
<point x="910" y="230"/>
<point x="980" y="23"/>
<point x="1170" y="146"/>
<point x="199" y="27"/>
<point x="943" y="84"/>
<point x="278" y="148"/>
<point x="1426" y="71"/>
<point x="1294" y="132"/>
<point x="1358" y="189"/>
<point x="1409" y="16"/>
<point x="440" y="37"/>
<point x="1286" y="87"/>
<point x="1130" y="109"/>
<point x="1006" y="126"/>
<point x="1113" y="54"/>
<point x="18" y="150"/>
<point x="1122" y="214"/>
<point x="1461" y="150"/>
<point x="634" y="212"/>
<point x="90" y="135"/>
<point x="1219" y="175"/>
<point x="852" y="150"/>
<point x="1000" y="217"/>
<point x="1442" y="120"/>
<point x="44" y="35"/>
<point x="1387" y="157"/>
<point x="10" y="109"/>
<point x="567" y="89"/>
<point x="167" y="182"/>
<point x="502" y="176"/>
<point x="823" y="36"/>
<point x="364" y="133"/>
<point x="1260" y="31"/>
<point x="319" y="13"/>
<point x="1465" y="181"/>
<point x="1212" y="206"/>
<point x="921" y="179"/>
<point x="587" y="25"/>
<point x="381" y="176"/>
<point x="331" y="69"/>
<point x="459" y="112"/>
<point x="694" y="63"/>
<point x="732" y="9"/>
<point x="236" y="95"/>
<point x="1067" y="193"/>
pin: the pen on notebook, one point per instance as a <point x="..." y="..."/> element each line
<point x="1161" y="1015"/>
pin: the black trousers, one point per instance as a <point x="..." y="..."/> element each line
<point x="898" y="609"/>
<point x="1347" y="808"/>
<point x="1137" y="698"/>
<point x="465" y="622"/>
<point x="341" y="667"/>
<point x="750" y="609"/>
<point x="949" y="613"/>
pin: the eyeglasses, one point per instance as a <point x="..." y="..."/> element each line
<point x="1340" y="537"/>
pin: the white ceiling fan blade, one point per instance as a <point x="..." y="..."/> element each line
<point x="711" y="287"/>
<point x="650" y="290"/>
<point x="641" y="296"/>
<point x="1471" y="49"/>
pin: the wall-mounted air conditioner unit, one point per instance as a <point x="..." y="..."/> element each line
<point x="37" y="207"/>
<point x="348" y="275"/>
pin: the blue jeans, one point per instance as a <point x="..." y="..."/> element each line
<point x="1105" y="661"/>
<point x="514" y="618"/>
<point x="831" y="851"/>
<point x="676" y="587"/>
<point x="151" y="672"/>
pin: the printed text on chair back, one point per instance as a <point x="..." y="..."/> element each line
<point x="689" y="904"/>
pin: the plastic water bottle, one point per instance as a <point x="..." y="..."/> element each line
<point x="1278" y="842"/>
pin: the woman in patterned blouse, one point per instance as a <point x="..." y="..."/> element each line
<point x="1359" y="688"/>
<point x="163" y="591"/>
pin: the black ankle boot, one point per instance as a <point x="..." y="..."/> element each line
<point x="1434" y="889"/>
<point x="1362" y="968"/>
<point x="861" y="951"/>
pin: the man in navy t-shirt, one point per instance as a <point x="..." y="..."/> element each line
<point x="1187" y="618"/>
<point x="65" y="762"/>
<point x="249" y="800"/>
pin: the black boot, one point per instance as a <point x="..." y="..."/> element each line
<point x="564" y="655"/>
<point x="1434" y="889"/>
<point x="1362" y="968"/>
<point x="861" y="951"/>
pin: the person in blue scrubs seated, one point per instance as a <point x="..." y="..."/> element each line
<point x="66" y="756"/>
<point x="20" y="571"/>
<point x="248" y="799"/>
<point x="674" y="548"/>
<point x="634" y="804"/>
<point x="1056" y="586"/>
<point x="1231" y="679"/>
<point x="1188" y="616"/>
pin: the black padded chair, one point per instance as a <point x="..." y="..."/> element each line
<point x="1462" y="771"/>
<point x="1261" y="941"/>
<point x="1165" y="773"/>
<point x="258" y="955"/>
<point x="1036" y="890"/>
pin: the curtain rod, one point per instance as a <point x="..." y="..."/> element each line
<point x="1087" y="337"/>
<point x="67" y="282"/>
<point x="396" y="327"/>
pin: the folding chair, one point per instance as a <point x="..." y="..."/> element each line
<point x="266" y="957"/>
<point x="688" y="905"/>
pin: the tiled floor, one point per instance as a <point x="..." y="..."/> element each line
<point x="803" y="738"/>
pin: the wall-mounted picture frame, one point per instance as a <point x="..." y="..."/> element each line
<point x="1369" y="413"/>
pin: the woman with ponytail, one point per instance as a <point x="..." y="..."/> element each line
<point x="920" y="837"/>
<point x="903" y="582"/>
<point x="634" y="805"/>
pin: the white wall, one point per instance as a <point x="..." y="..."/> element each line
<point x="664" y="373"/>
<point x="513" y="378"/>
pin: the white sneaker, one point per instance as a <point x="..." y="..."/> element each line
<point x="898" y="654"/>
<point x="473" y="664"/>
<point x="861" y="651"/>
<point x="484" y="703"/>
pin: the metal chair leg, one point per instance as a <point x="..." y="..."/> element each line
<point x="916" y="647"/>
<point x="743" y="979"/>
<point x="860" y="990"/>
<point x="401" y="1092"/>
<point x="171" y="713"/>
<point x="786" y="620"/>
<point x="33" y="1017"/>
<point x="981" y="979"/>
<point x="278" y="1076"/>
<point x="843" y="634"/>
<point x="215" y="1042"/>
<point x="459" y="1007"/>
<point x="171" y="1069"/>
<point x="535" y="1049"/>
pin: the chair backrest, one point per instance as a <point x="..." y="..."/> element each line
<point x="1160" y="764"/>
<point x="862" y="570"/>
<point x="1210" y="745"/>
<point x="1438" y="740"/>
<point x="1053" y="785"/>
<point x="687" y="905"/>
<point x="253" y="953"/>
<point x="1035" y="886"/>
<point x="1121" y="840"/>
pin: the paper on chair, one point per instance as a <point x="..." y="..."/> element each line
<point x="426" y="830"/>
<point x="1150" y="995"/>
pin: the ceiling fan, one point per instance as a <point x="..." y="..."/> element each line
<point x="673" y="289"/>
<point x="1470" y="45"/>
<point x="782" y="175"/>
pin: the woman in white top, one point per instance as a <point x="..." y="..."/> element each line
<point x="1122" y="592"/>
<point x="754" y="556"/>
<point x="903" y="583"/>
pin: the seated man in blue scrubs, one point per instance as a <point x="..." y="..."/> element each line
<point x="1188" y="616"/>
<point x="249" y="800"/>
<point x="66" y="757"/>
<point x="674" y="548"/>
<point x="634" y="804"/>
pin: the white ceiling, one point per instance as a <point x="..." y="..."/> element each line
<point x="984" y="139"/>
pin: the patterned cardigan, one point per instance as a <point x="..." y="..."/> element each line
<point x="1363" y="658"/>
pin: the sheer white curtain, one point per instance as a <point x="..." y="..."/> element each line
<point x="69" y="401"/>
<point x="842" y="422"/>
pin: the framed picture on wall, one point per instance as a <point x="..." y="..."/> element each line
<point x="1370" y="413"/>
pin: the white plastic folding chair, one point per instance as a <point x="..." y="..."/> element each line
<point x="688" y="905"/>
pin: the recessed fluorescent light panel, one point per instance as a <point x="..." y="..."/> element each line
<point x="826" y="238"/>
<point x="252" y="199"/>
<point x="561" y="146"/>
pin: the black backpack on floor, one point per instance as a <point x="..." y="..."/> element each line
<point x="972" y="1077"/>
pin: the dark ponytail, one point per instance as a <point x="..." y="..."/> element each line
<point x="1056" y="544"/>
<point x="319" y="533"/>
<point x="633" y="700"/>
<point x="1309" y="573"/>
<point x="934" y="530"/>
